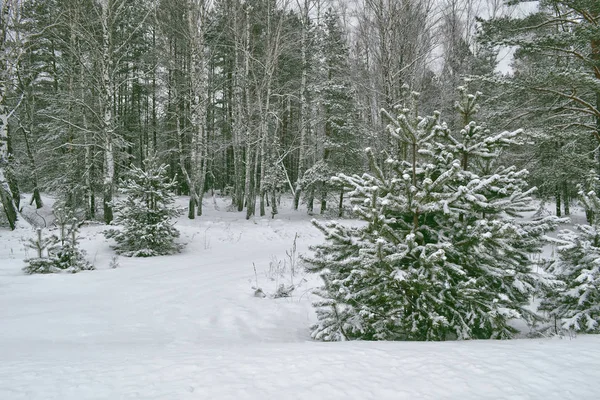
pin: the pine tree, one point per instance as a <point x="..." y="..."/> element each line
<point x="146" y="213"/>
<point x="555" y="85"/>
<point x="577" y="305"/>
<point x="559" y="162"/>
<point x="443" y="254"/>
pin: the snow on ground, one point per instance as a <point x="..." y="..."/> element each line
<point x="188" y="327"/>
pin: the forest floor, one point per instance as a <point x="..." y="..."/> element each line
<point x="188" y="326"/>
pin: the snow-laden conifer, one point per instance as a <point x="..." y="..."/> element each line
<point x="146" y="213"/>
<point x="443" y="253"/>
<point x="58" y="252"/>
<point x="577" y="306"/>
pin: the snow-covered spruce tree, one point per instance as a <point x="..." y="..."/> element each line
<point x="443" y="254"/>
<point x="58" y="253"/>
<point x="577" y="306"/>
<point x="44" y="262"/>
<point x="68" y="255"/>
<point x="146" y="213"/>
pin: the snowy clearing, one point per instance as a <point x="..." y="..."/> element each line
<point x="188" y="326"/>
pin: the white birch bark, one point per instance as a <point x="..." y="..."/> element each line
<point x="249" y="193"/>
<point x="90" y="196"/>
<point x="272" y="54"/>
<point x="304" y="109"/>
<point x="197" y="24"/>
<point x="7" y="10"/>
<point x="106" y="98"/>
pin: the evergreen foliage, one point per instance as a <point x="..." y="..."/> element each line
<point x="335" y="96"/>
<point x="67" y="253"/>
<point x="443" y="254"/>
<point x="577" y="304"/>
<point x="555" y="86"/>
<point x="559" y="160"/>
<point x="58" y="253"/>
<point x="43" y="263"/>
<point x="146" y="213"/>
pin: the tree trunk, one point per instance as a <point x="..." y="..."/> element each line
<point x="90" y="196"/>
<point x="263" y="162"/>
<point x="11" y="180"/>
<point x="251" y="197"/>
<point x="10" y="210"/>
<point x="274" y="203"/>
<point x="310" y="200"/>
<point x="566" y="199"/>
<point x="199" y="89"/>
<point x="303" y="106"/>
<point x="598" y="127"/>
<point x="248" y="182"/>
<point x="182" y="165"/>
<point x="249" y="177"/>
<point x="34" y="178"/>
<point x="558" y="208"/>
<point x="239" y="82"/>
<point x="595" y="45"/>
<point x="192" y="207"/>
<point x="107" y="96"/>
<point x="341" y="203"/>
<point x="323" y="198"/>
<point x="6" y="196"/>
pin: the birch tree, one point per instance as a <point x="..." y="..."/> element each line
<point x="198" y="25"/>
<point x="305" y="7"/>
<point x="8" y="13"/>
<point x="393" y="43"/>
<point x="273" y="48"/>
<point x="108" y="10"/>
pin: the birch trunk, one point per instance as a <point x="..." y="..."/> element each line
<point x="248" y="190"/>
<point x="238" y="146"/>
<point x="199" y="87"/>
<point x="6" y="195"/>
<point x="303" y="106"/>
<point x="238" y="113"/>
<point x="90" y="195"/>
<point x="106" y="98"/>
<point x="190" y="182"/>
<point x="263" y="139"/>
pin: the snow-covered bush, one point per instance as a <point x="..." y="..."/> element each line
<point x="58" y="253"/>
<point x="577" y="305"/>
<point x="444" y="254"/>
<point x="146" y="213"/>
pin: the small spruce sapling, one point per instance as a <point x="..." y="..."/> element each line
<point x="68" y="254"/>
<point x="146" y="213"/>
<point x="44" y="262"/>
<point x="58" y="253"/>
